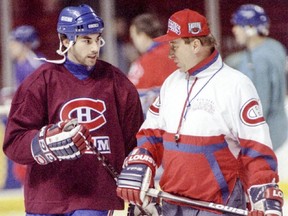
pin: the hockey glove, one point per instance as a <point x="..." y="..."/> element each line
<point x="137" y="177"/>
<point x="66" y="140"/>
<point x="266" y="200"/>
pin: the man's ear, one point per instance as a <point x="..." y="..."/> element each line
<point x="196" y="44"/>
<point x="65" y="42"/>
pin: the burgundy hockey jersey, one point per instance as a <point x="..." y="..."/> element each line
<point x="107" y="103"/>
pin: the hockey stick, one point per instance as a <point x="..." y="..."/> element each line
<point x="161" y="194"/>
<point x="111" y="170"/>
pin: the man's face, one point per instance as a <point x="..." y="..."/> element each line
<point x="16" y="49"/>
<point x="86" y="50"/>
<point x="240" y="35"/>
<point x="182" y="54"/>
<point x="138" y="39"/>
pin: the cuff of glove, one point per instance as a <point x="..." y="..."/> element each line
<point x="40" y="151"/>
<point x="141" y="156"/>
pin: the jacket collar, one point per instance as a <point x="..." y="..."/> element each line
<point x="204" y="64"/>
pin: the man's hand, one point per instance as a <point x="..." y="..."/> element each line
<point x="66" y="140"/>
<point x="266" y="200"/>
<point x="137" y="177"/>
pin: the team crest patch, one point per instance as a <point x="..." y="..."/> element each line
<point x="251" y="113"/>
<point x="194" y="28"/>
<point x="204" y="105"/>
<point x="89" y="112"/>
<point x="155" y="106"/>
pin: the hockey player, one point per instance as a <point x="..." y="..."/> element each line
<point x="251" y="29"/>
<point x="63" y="112"/>
<point x="149" y="71"/>
<point x="23" y="44"/>
<point x="208" y="131"/>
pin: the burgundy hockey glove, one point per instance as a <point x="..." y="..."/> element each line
<point x="266" y="200"/>
<point x="66" y="140"/>
<point x="137" y="177"/>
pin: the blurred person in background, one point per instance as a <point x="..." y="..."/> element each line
<point x="149" y="71"/>
<point x="127" y="53"/>
<point x="23" y="44"/>
<point x="263" y="61"/>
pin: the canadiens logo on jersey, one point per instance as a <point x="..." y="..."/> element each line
<point x="89" y="112"/>
<point x="251" y="113"/>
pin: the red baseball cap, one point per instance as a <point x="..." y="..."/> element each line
<point x="185" y="23"/>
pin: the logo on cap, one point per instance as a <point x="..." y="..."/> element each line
<point x="174" y="27"/>
<point x="185" y="23"/>
<point x="194" y="28"/>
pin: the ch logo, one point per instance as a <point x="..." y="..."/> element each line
<point x="251" y="113"/>
<point x="88" y="111"/>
